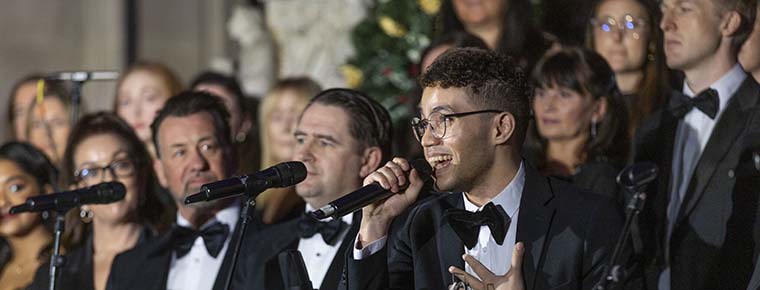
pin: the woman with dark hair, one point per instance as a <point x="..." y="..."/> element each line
<point x="101" y="148"/>
<point x="244" y="133"/>
<point x="24" y="172"/>
<point x="505" y="26"/>
<point x="626" y="34"/>
<point x="579" y="129"/>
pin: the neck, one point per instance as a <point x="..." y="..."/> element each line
<point x="114" y="238"/>
<point x="495" y="179"/>
<point x="28" y="246"/>
<point x="709" y="71"/>
<point x="756" y="75"/>
<point x="196" y="216"/>
<point x="321" y="200"/>
<point x="489" y="32"/>
<point x="629" y="82"/>
<point x="567" y="153"/>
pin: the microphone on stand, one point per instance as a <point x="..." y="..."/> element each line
<point x="281" y="175"/>
<point x="81" y="76"/>
<point x="366" y="195"/>
<point x="637" y="176"/>
<point x="106" y="192"/>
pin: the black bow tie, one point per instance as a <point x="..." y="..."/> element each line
<point x="467" y="224"/>
<point x="213" y="236"/>
<point x="707" y="101"/>
<point x="308" y="227"/>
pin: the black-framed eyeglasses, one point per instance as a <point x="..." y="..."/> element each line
<point x="119" y="168"/>
<point x="438" y="121"/>
<point x="628" y="23"/>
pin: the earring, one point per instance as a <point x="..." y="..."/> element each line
<point x="85" y="215"/>
<point x="241" y="136"/>
<point x="593" y="129"/>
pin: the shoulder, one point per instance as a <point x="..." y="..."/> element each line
<point x="580" y="205"/>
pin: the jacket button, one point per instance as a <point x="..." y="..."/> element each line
<point x="731" y="173"/>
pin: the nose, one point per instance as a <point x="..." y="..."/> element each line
<point x="427" y="139"/>
<point x="304" y="151"/>
<point x="197" y="161"/>
<point x="107" y="175"/>
<point x="617" y="34"/>
<point x="667" y="24"/>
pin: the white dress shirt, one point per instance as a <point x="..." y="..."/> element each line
<point x="493" y="256"/>
<point x="198" y="270"/>
<point x="692" y="135"/>
<point x="318" y="255"/>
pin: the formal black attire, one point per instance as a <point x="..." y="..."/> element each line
<point x="568" y="235"/>
<point x="712" y="243"/>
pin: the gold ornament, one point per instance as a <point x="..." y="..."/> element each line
<point x="353" y="75"/>
<point x="430" y="7"/>
<point x="391" y="27"/>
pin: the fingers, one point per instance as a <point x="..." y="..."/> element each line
<point x="466" y="277"/>
<point x="477" y="267"/>
<point x="392" y="176"/>
<point x="517" y="258"/>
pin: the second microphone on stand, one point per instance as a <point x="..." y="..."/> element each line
<point x="281" y="175"/>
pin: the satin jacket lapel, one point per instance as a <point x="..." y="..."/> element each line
<point x="333" y="275"/>
<point x="727" y="130"/>
<point x="665" y="142"/>
<point x="534" y="222"/>
<point x="450" y="247"/>
<point x="221" y="276"/>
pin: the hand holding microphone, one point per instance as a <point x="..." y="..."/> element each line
<point x="397" y="176"/>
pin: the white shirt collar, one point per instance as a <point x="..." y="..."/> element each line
<point x="508" y="198"/>
<point x="726" y="86"/>
<point x="346" y="218"/>
<point x="229" y="216"/>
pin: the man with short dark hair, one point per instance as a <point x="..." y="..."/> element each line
<point x="698" y="219"/>
<point x="520" y="230"/>
<point x="193" y="147"/>
<point x="341" y="137"/>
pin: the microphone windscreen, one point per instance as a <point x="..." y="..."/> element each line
<point x="108" y="192"/>
<point x="423" y="168"/>
<point x="291" y="173"/>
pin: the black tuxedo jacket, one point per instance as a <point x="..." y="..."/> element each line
<point x="712" y="242"/>
<point x="146" y="267"/>
<point x="568" y="236"/>
<point x="259" y="267"/>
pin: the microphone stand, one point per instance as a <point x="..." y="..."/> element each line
<point x="56" y="259"/>
<point x="614" y="273"/>
<point x="245" y="220"/>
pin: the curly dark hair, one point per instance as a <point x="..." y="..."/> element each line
<point x="493" y="81"/>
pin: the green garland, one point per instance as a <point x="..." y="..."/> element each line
<point x="388" y="45"/>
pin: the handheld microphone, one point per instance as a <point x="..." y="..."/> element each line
<point x="106" y="192"/>
<point x="366" y="195"/>
<point x="281" y="175"/>
<point x="81" y="76"/>
<point x="637" y="176"/>
<point x="293" y="269"/>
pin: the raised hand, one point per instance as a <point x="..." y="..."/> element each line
<point x="376" y="217"/>
<point x="512" y="280"/>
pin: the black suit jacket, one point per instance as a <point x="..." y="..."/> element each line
<point x="712" y="242"/>
<point x="146" y="267"/>
<point x="259" y="267"/>
<point x="77" y="271"/>
<point x="568" y="236"/>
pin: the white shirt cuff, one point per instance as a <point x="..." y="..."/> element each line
<point x="369" y="249"/>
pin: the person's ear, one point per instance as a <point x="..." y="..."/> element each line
<point x="158" y="166"/>
<point x="600" y="109"/>
<point x="730" y="23"/>
<point x="371" y="158"/>
<point x="504" y="127"/>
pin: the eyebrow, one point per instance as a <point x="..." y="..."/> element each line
<point x="319" y="136"/>
<point x="438" y="108"/>
<point x="13" y="177"/>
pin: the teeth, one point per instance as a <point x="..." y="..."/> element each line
<point x="438" y="159"/>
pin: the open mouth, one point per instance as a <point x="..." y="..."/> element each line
<point x="439" y="162"/>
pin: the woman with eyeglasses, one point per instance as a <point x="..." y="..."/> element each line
<point x="102" y="148"/>
<point x="627" y="34"/>
<point x="579" y="128"/>
<point x="24" y="239"/>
